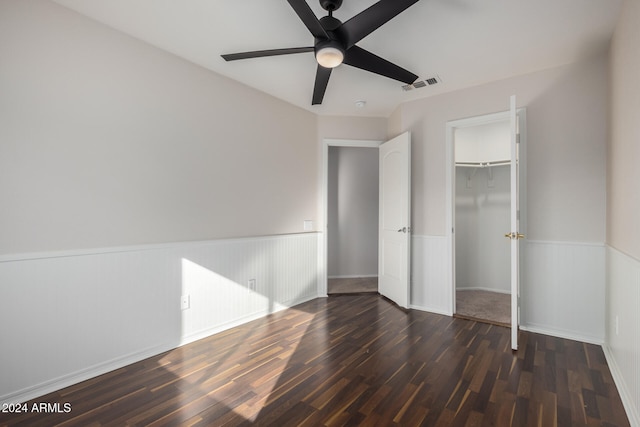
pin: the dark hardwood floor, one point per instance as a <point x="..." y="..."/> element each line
<point x="351" y="360"/>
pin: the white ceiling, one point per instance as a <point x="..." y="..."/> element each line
<point x="464" y="42"/>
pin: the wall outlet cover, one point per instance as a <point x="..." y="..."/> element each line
<point x="185" y="302"/>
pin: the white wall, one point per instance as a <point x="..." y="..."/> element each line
<point x="359" y="128"/>
<point x="110" y="152"/>
<point x="484" y="143"/>
<point x="566" y="110"/>
<point x="108" y="141"/>
<point x="623" y="210"/>
<point x="562" y="289"/>
<point x="622" y="346"/>
<point x="352" y="212"/>
<point x="77" y="314"/>
<point x="566" y="113"/>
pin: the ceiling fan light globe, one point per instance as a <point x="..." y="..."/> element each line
<point x="329" y="57"/>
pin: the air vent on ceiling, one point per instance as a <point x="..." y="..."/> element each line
<point x="422" y="83"/>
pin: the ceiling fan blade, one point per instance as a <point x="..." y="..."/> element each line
<point x="308" y="18"/>
<point x="322" y="80"/>
<point x="365" y="60"/>
<point x="261" y="53"/>
<point x="367" y="21"/>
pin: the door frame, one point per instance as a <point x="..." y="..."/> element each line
<point x="326" y="143"/>
<point x="451" y="126"/>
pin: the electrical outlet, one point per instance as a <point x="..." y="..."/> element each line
<point x="185" y="302"/>
<point x="251" y="284"/>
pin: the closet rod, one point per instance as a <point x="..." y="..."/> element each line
<point x="483" y="164"/>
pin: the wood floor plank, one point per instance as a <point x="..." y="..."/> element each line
<point x="351" y="360"/>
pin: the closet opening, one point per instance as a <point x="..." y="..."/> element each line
<point x="481" y="218"/>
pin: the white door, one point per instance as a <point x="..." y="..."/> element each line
<point x="515" y="234"/>
<point x="394" y="237"/>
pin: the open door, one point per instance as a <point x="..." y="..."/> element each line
<point x="515" y="234"/>
<point x="394" y="220"/>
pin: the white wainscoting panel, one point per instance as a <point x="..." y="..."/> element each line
<point x="622" y="346"/>
<point x="430" y="277"/>
<point x="70" y="316"/>
<point x="563" y="289"/>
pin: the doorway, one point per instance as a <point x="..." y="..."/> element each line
<point x="394" y="214"/>
<point x="486" y="214"/>
<point x="352" y="217"/>
<point x="482" y="215"/>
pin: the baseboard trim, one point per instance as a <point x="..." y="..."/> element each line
<point x="117" y="363"/>
<point x="205" y="333"/>
<point x="569" y="335"/>
<point x="498" y="291"/>
<point x="354" y="276"/>
<point x="433" y="310"/>
<point x="64" y="381"/>
<point x="168" y="271"/>
<point x="621" y="385"/>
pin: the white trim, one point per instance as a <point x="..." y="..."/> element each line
<point x="321" y="282"/>
<point x="450" y="184"/>
<point x="430" y="310"/>
<point x="137" y="248"/>
<point x="621" y="385"/>
<point x="559" y="333"/>
<point x="354" y="276"/>
<point x="497" y="291"/>
<point x="564" y="243"/>
<point x="326" y="143"/>
<point x="622" y="349"/>
<point x="207" y="332"/>
<point x="117" y="363"/>
<point x="621" y="252"/>
<point x="64" y="381"/>
<point x="352" y="143"/>
<point x="214" y="273"/>
<point x="479" y="120"/>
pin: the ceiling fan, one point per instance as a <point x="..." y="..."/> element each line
<point x="335" y="42"/>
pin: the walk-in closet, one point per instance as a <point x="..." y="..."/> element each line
<point x="482" y="215"/>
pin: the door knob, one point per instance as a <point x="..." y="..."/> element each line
<point x="403" y="230"/>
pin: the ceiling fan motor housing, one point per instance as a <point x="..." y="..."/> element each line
<point x="332" y="48"/>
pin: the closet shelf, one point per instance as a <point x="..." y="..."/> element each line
<point x="483" y="164"/>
